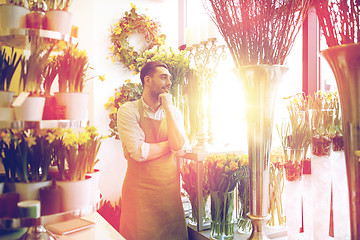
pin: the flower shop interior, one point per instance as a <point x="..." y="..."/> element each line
<point x="268" y="89"/>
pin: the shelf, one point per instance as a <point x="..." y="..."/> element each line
<point x="16" y="223"/>
<point x="20" y="37"/>
<point x="43" y="124"/>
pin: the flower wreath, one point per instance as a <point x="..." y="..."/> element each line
<point x="132" y="22"/>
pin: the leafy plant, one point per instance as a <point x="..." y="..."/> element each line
<point x="62" y="5"/>
<point x="127" y="92"/>
<point x="32" y="68"/>
<point x="176" y="61"/>
<point x="49" y="74"/>
<point x="78" y="152"/>
<point x="72" y="67"/>
<point x="8" y="65"/>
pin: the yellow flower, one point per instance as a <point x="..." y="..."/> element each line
<point x="118" y="94"/>
<point x="30" y="140"/>
<point x="83" y="137"/>
<point x="133" y="6"/>
<point x="118" y="31"/>
<point x="59" y="132"/>
<point x="102" y="77"/>
<point x="70" y="139"/>
<point x="113" y="110"/>
<point x="50" y="137"/>
<point x="128" y="80"/>
<point x="111" y="99"/>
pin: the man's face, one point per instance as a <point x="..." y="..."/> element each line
<point x="160" y="82"/>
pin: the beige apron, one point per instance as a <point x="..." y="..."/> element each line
<point x="151" y="206"/>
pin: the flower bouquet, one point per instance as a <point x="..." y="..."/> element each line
<point x="223" y="173"/>
<point x="189" y="175"/>
<point x="127" y="92"/>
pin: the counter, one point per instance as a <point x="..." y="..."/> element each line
<point x="102" y="230"/>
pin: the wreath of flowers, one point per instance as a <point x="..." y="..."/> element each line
<point x="129" y="91"/>
<point x="130" y="23"/>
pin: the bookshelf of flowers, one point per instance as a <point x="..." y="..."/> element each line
<point x="41" y="149"/>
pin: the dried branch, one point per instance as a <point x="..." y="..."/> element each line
<point x="339" y="21"/>
<point x="258" y="31"/>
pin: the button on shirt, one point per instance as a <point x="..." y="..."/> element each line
<point x="131" y="134"/>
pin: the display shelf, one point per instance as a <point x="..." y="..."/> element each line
<point x="16" y="223"/>
<point x="20" y="37"/>
<point x="43" y="124"/>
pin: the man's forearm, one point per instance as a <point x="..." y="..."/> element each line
<point x="176" y="137"/>
<point x="157" y="150"/>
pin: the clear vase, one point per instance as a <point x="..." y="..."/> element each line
<point x="194" y="214"/>
<point x="341" y="216"/>
<point x="222" y="215"/>
<point x="277" y="185"/>
<point x="321" y="178"/>
<point x="243" y="222"/>
<point x="293" y="191"/>
<point x="260" y="84"/>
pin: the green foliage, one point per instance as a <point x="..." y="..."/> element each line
<point x="8" y="65"/>
<point x="62" y="5"/>
<point x="127" y="92"/>
<point x="32" y="68"/>
<point x="176" y="61"/>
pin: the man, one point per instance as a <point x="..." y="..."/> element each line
<point x="152" y="131"/>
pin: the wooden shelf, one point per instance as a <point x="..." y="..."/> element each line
<point x="43" y="124"/>
<point x="21" y="37"/>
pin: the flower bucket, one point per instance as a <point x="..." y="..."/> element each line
<point x="6" y="114"/>
<point x="222" y="215"/>
<point x="59" y="21"/>
<point x="12" y="16"/>
<point x="76" y="104"/>
<point x="76" y="194"/>
<point x="31" y="109"/>
<point x="95" y="179"/>
<point x="6" y="97"/>
<point x="30" y="191"/>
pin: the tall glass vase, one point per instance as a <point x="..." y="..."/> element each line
<point x="260" y="84"/>
<point x="222" y="215"/>
<point x="321" y="177"/>
<point x="340" y="189"/>
<point x="344" y="62"/>
<point x="293" y="189"/>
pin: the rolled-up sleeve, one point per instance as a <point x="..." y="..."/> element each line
<point x="131" y="134"/>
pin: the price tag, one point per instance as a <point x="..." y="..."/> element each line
<point x="20" y="99"/>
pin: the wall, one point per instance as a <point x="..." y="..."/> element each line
<point x="94" y="19"/>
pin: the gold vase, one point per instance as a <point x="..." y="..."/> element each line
<point x="344" y="61"/>
<point x="260" y="84"/>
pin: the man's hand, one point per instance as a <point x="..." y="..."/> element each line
<point x="165" y="100"/>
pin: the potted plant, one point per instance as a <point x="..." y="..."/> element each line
<point x="26" y="158"/>
<point x="72" y="65"/>
<point x="31" y="79"/>
<point x="58" y="17"/>
<point x="72" y="164"/>
<point x="13" y="14"/>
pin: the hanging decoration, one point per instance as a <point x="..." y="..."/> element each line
<point x="131" y="23"/>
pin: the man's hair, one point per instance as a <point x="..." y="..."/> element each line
<point x="149" y="69"/>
